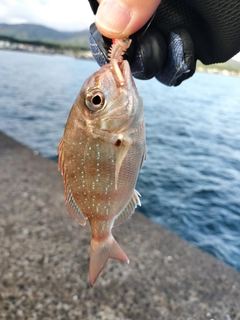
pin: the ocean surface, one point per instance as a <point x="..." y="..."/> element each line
<point x="190" y="182"/>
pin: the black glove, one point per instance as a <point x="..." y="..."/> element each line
<point x="179" y="33"/>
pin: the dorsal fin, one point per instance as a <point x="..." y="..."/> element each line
<point x="128" y="211"/>
<point x="70" y="202"/>
<point x="73" y="208"/>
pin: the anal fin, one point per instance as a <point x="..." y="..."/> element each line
<point x="128" y="211"/>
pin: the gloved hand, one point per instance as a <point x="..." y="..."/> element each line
<point x="179" y="33"/>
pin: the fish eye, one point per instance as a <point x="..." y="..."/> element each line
<point x="95" y="100"/>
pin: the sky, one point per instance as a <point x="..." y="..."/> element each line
<point x="63" y="15"/>
<point x="237" y="57"/>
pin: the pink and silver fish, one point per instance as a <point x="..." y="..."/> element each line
<point x="101" y="153"/>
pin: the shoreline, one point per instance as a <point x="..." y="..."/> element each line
<point x="81" y="54"/>
<point x="220" y="68"/>
<point x="46" y="255"/>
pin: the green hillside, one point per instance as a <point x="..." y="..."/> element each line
<point x="231" y="66"/>
<point x="79" y="40"/>
<point x="34" y="32"/>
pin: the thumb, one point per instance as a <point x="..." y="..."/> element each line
<point x="121" y="18"/>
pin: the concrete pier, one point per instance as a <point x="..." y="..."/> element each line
<point x="44" y="257"/>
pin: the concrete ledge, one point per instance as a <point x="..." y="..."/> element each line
<point x="44" y="257"/>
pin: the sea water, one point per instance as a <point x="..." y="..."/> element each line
<point x="190" y="182"/>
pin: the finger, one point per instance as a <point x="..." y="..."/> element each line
<point x="121" y="18"/>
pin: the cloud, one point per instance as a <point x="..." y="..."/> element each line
<point x="61" y="15"/>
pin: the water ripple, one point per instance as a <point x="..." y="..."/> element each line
<point x="190" y="182"/>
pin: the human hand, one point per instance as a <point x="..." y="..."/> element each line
<point x="120" y="19"/>
<point x="168" y="45"/>
<point x="148" y="53"/>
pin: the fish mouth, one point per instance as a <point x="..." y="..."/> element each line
<point x="121" y="72"/>
<point x="126" y="71"/>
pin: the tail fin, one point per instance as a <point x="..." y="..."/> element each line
<point x="100" y="251"/>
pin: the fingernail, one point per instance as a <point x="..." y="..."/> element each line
<point x="112" y="17"/>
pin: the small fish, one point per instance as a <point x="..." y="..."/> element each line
<point x="101" y="153"/>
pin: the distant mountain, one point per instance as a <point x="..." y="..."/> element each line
<point x="35" y="32"/>
<point x="231" y="67"/>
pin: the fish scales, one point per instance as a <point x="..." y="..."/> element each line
<point x="100" y="155"/>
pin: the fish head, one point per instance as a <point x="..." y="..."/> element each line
<point x="108" y="99"/>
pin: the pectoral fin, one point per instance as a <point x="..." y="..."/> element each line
<point x="128" y="211"/>
<point x="122" y="147"/>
